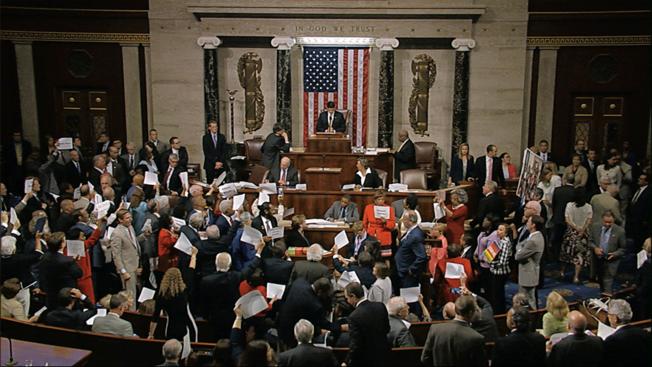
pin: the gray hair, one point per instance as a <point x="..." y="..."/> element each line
<point x="411" y="215"/>
<point x="492" y="185"/>
<point x="223" y="261"/>
<point x="303" y="331"/>
<point x="226" y="205"/>
<point x="172" y="349"/>
<point x="173" y="156"/>
<point x="395" y="305"/>
<point x="464" y="197"/>
<point x="621" y="309"/>
<point x="314" y="252"/>
<point x="245" y="218"/>
<point x="8" y="246"/>
<point x="213" y="232"/>
<point x="196" y="220"/>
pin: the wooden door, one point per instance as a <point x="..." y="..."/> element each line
<point x="599" y="120"/>
<point x="84" y="112"/>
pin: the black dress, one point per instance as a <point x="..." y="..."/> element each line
<point x="180" y="320"/>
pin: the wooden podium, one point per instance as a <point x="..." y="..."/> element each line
<point x="329" y="143"/>
<point x="323" y="178"/>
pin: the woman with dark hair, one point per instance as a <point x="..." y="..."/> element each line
<point x="507" y="167"/>
<point x="461" y="165"/>
<point x="575" y="246"/>
<point x="257" y="353"/>
<point x="365" y="176"/>
<point x="577" y="170"/>
<point x="380" y="227"/>
<point x="32" y="201"/>
<point x="168" y="256"/>
<point x="487" y="235"/>
<point x="149" y="157"/>
<point x="296" y="237"/>
<point x="456" y="214"/>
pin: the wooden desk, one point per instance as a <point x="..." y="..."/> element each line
<point x="323" y="178"/>
<point x="346" y="161"/>
<point x="329" y="143"/>
<point x="39" y="354"/>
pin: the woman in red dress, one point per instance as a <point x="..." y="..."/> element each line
<point x="381" y="228"/>
<point x="456" y="213"/>
<point x="167" y="254"/>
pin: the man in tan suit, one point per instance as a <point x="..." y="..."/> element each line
<point x="600" y="203"/>
<point x="125" y="248"/>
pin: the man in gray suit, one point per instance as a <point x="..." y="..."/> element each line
<point x="455" y="343"/>
<point x="607" y="240"/>
<point x="399" y="329"/>
<point x="343" y="209"/>
<point x="125" y="249"/>
<point x="112" y="323"/>
<point x="528" y="255"/>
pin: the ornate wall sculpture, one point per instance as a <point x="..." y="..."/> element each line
<point x="425" y="72"/>
<point x="249" y="68"/>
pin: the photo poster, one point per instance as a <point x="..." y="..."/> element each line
<point x="530" y="173"/>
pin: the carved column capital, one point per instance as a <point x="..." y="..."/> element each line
<point x="386" y="44"/>
<point x="208" y="43"/>
<point x="463" y="44"/>
<point x="283" y="43"/>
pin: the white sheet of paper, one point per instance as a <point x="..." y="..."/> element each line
<point x="55" y="196"/>
<point x="438" y="210"/>
<point x="218" y="181"/>
<point x="146" y="294"/>
<point x="101" y="312"/>
<point x="348" y="277"/>
<point x="183" y="176"/>
<point x="13" y="217"/>
<point x="269" y="188"/>
<point x="274" y="289"/>
<point x="64" y="143"/>
<point x="228" y="190"/>
<point x="109" y="232"/>
<point x="276" y="232"/>
<point x="263" y="197"/>
<point x="640" y="258"/>
<point x="348" y="187"/>
<point x="76" y="193"/>
<point x="90" y="186"/>
<point x="288" y="212"/>
<point x="147" y="225"/>
<point x="178" y="223"/>
<point x="301" y="187"/>
<point x="183" y="244"/>
<point x="604" y="331"/>
<point x="341" y="240"/>
<point x="411" y="295"/>
<point x="28" y="185"/>
<point x="111" y="219"/>
<point x="150" y="178"/>
<point x="102" y="208"/>
<point x="39" y="312"/>
<point x="381" y="211"/>
<point x="238" y="200"/>
<point x="126" y="205"/>
<point x="75" y="248"/>
<point x="397" y="187"/>
<point x="454" y="271"/>
<point x="251" y="235"/>
<point x="251" y="303"/>
<point x="246" y="185"/>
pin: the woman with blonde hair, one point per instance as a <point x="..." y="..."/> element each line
<point x="556" y="319"/>
<point x="172" y="297"/>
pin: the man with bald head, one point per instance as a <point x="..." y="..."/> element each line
<point x="405" y="156"/>
<point x="578" y="348"/>
<point x="285" y="174"/>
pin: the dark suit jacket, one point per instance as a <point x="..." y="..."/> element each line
<point x="71" y="319"/>
<point x="351" y="213"/>
<point x="57" y="271"/>
<point x="371" y="180"/>
<point x="223" y="224"/>
<point x="272" y="148"/>
<point x="94" y="177"/>
<point x="453" y="343"/>
<point x="338" y="122"/>
<point x="291" y="179"/>
<point x="628" y="346"/>
<point x="277" y="270"/>
<point x="561" y="196"/>
<point x="175" y="180"/>
<point x="257" y="223"/>
<point x="639" y="214"/>
<point x="480" y="171"/>
<point x="520" y="349"/>
<point x="370" y="243"/>
<point x="213" y="153"/>
<point x="368" y="328"/>
<point x="457" y="168"/>
<point x="411" y="255"/>
<point x="491" y="204"/>
<point x="309" y="270"/>
<point x="163" y="163"/>
<point x="592" y="181"/>
<point x="74" y="177"/>
<point x="9" y="158"/>
<point x="399" y="335"/>
<point x="404" y="158"/>
<point x="293" y="238"/>
<point x="577" y="350"/>
<point x="307" y="355"/>
<point x="365" y="274"/>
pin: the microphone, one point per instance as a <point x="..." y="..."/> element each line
<point x="11" y="361"/>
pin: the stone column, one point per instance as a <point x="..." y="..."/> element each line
<point x="386" y="91"/>
<point x="27" y="91"/>
<point x="283" y="82"/>
<point x="545" y="93"/>
<point x="131" y="81"/>
<point x="211" y="91"/>
<point x="148" y="86"/>
<point x="460" y="129"/>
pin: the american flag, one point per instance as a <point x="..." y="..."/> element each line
<point x="340" y="75"/>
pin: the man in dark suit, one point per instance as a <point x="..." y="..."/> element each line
<point x="544" y="151"/>
<point x="215" y="243"/>
<point x="74" y="172"/>
<point x="639" y="212"/>
<point x="628" y="345"/>
<point x="98" y="169"/>
<point x="361" y="241"/>
<point x="306" y="354"/>
<point x="561" y="196"/>
<point x="175" y="148"/>
<point x="285" y="174"/>
<point x="57" y="271"/>
<point x="531" y="346"/>
<point x="607" y="242"/>
<point x="74" y="308"/>
<point x="220" y="291"/>
<point x="310" y="269"/>
<point x="579" y="348"/>
<point x="214" y="146"/>
<point x="405" y="157"/>
<point x="343" y="209"/>
<point x="331" y="120"/>
<point x="455" y="343"/>
<point x="14" y="155"/>
<point x="490" y="204"/>
<point x="277" y="269"/>
<point x="102" y="144"/>
<point x="275" y="143"/>
<point x="488" y="167"/>
<point x="411" y="255"/>
<point x="225" y="221"/>
<point x="363" y="269"/>
<point x="591" y="165"/>
<point x="368" y="328"/>
<point x="117" y="167"/>
<point x="170" y="180"/>
<point x="304" y="300"/>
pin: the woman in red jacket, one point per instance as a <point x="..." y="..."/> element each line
<point x="85" y="283"/>
<point x="456" y="214"/>
<point x="167" y="254"/>
<point x="380" y="227"/>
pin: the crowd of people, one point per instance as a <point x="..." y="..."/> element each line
<point x="84" y="232"/>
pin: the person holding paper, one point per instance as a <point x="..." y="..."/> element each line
<point x="643" y="280"/>
<point x="11" y="307"/>
<point x="170" y="181"/>
<point x="343" y="209"/>
<point x="85" y="282"/>
<point x="380" y="227"/>
<point x="112" y="323"/>
<point x="411" y="255"/>
<point x="72" y="310"/>
<point x="277" y="269"/>
<point x="215" y="150"/>
<point x="172" y="297"/>
<point x="361" y="241"/>
<point x="444" y="285"/>
<point x="225" y="220"/>
<point x="627" y="342"/>
<point x="74" y="172"/>
<point x="456" y="214"/>
<point x="363" y="269"/>
<point x="265" y="220"/>
<point x="125" y="249"/>
<point x="56" y="270"/>
<point x="243" y="252"/>
<point x="366" y="176"/>
<point x="295" y="237"/>
<point x="607" y="242"/>
<point x="32" y="201"/>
